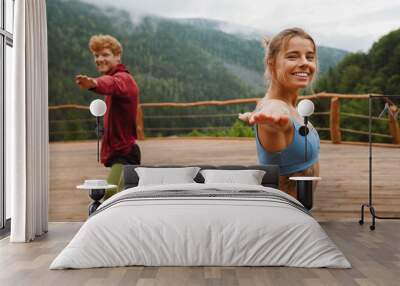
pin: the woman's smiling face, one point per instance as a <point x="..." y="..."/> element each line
<point x="295" y="66"/>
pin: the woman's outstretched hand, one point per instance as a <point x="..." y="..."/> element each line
<point x="273" y="120"/>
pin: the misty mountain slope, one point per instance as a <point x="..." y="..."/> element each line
<point x="171" y="60"/>
<point x="252" y="77"/>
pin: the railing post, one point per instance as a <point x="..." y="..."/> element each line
<point x="393" y="125"/>
<point x="334" y="124"/>
<point x="139" y="123"/>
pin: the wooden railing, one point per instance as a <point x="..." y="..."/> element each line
<point x="334" y="113"/>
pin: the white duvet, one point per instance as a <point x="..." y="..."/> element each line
<point x="200" y="231"/>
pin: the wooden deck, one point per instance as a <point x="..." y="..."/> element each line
<point x="344" y="172"/>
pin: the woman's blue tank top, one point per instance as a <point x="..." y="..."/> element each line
<point x="292" y="158"/>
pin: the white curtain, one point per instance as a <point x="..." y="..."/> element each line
<point x="27" y="147"/>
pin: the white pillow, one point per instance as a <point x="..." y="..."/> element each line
<point x="248" y="177"/>
<point x="164" y="176"/>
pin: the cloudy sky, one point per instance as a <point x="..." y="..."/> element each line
<point x="352" y="25"/>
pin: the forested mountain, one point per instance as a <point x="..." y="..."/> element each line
<point x="377" y="71"/>
<point x="170" y="59"/>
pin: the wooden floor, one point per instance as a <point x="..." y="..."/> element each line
<point x="344" y="172"/>
<point x="374" y="255"/>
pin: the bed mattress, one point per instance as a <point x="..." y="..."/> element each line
<point x="201" y="225"/>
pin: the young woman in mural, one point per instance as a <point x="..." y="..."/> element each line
<point x="121" y="93"/>
<point x="291" y="64"/>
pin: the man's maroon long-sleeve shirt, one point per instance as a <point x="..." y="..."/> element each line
<point x="122" y="99"/>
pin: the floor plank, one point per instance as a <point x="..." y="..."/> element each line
<point x="374" y="255"/>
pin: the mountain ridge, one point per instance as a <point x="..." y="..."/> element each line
<point x="171" y="62"/>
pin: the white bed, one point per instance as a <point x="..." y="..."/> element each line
<point x="268" y="228"/>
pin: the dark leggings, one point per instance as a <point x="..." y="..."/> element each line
<point x="132" y="158"/>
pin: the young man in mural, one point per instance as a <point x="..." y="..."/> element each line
<point x="118" y="145"/>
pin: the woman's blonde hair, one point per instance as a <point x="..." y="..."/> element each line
<point x="278" y="43"/>
<point x="99" y="42"/>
